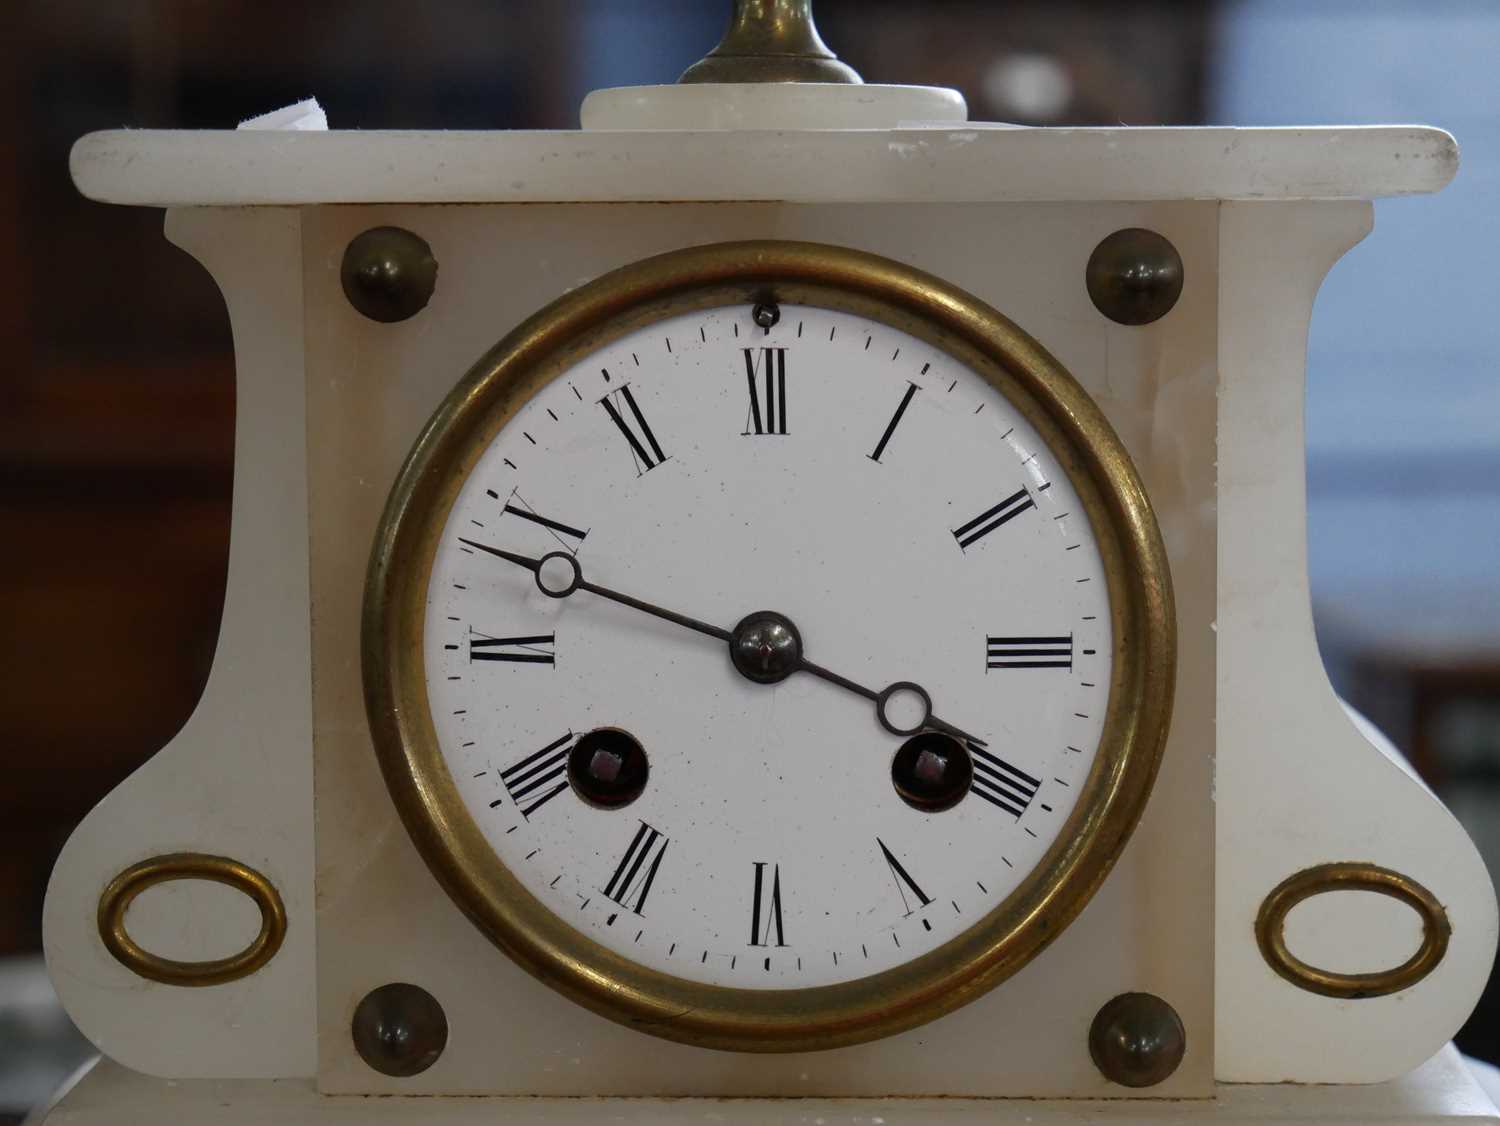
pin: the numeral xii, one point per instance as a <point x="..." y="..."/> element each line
<point x="767" y="413"/>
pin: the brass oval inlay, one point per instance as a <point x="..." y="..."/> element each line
<point x="1270" y="929"/>
<point x="123" y="889"/>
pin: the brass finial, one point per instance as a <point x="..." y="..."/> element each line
<point x="771" y="41"/>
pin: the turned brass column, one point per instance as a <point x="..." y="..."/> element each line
<point x="771" y="41"/>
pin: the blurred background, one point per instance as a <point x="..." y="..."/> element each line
<point x="117" y="379"/>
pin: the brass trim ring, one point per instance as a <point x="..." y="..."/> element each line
<point x="1270" y="929"/>
<point x="123" y="889"/>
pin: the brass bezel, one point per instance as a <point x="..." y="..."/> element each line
<point x="1140" y="699"/>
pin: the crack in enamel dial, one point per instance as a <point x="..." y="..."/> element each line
<point x="765" y="663"/>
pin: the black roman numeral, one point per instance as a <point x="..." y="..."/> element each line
<point x="1029" y="652"/>
<point x="890" y="427"/>
<point x="637" y="869"/>
<point x="644" y="447"/>
<point x="539" y="777"/>
<point x="904" y="882"/>
<point x="517" y="506"/>
<point x="1000" y="783"/>
<point x="765" y="911"/>
<point x="770" y="363"/>
<point x="534" y="650"/>
<point x="987" y="521"/>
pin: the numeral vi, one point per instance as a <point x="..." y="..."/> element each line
<point x="765" y="908"/>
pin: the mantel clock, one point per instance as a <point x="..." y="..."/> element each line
<point x="782" y="591"/>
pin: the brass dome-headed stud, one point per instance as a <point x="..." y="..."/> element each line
<point x="388" y="274"/>
<point x="1137" y="1040"/>
<point x="771" y="41"/>
<point x="1134" y="276"/>
<point x="400" y="1029"/>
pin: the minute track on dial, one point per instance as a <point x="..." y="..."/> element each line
<point x="788" y="656"/>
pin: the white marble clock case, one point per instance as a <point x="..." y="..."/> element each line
<point x="1264" y="774"/>
<point x="370" y="386"/>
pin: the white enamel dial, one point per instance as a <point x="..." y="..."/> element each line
<point x="886" y="500"/>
